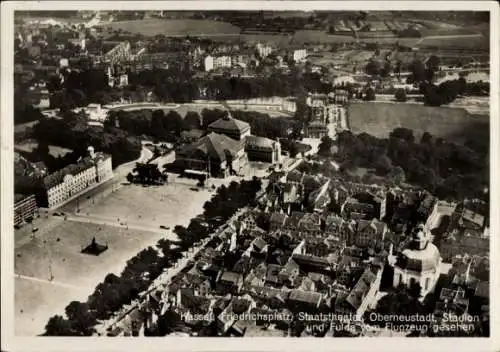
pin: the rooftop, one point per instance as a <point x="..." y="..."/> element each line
<point x="260" y="142"/>
<point x="214" y="145"/>
<point x="229" y="124"/>
<point x="72" y="169"/>
<point x="313" y="298"/>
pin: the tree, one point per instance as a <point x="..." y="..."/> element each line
<point x="192" y="120"/>
<point x="426" y="138"/>
<point x="43" y="149"/>
<point x="174" y="122"/>
<point x="418" y="71"/>
<point x="373" y="68"/>
<point x="383" y="165"/>
<point x="386" y="69"/>
<point x="82" y="321"/>
<point x="369" y="94"/>
<point x="400" y="95"/>
<point x="158" y="124"/>
<point x="433" y="63"/>
<point x="58" y="326"/>
<point x="325" y="147"/>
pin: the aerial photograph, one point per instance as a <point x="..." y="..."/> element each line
<point x="251" y="173"/>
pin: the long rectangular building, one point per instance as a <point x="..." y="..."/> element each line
<point x="25" y="207"/>
<point x="62" y="185"/>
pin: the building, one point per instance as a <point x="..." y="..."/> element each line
<point x="222" y="61"/>
<point x="305" y="299"/>
<point x="362" y="296"/>
<point x="121" y="52"/>
<point x="370" y="234"/>
<point x="418" y="264"/>
<point x="62" y="185"/>
<point x="456" y="243"/>
<point x="263" y="50"/>
<point x="209" y="63"/>
<point x="229" y="282"/>
<point x="316" y="129"/>
<point x="230" y="127"/>
<point x="25" y="208"/>
<point x="214" y="154"/>
<point x="262" y="149"/>
<point x="299" y="55"/>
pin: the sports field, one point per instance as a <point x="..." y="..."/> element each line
<point x="379" y="119"/>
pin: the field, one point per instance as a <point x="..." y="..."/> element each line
<point x="171" y="27"/>
<point x="472" y="41"/>
<point x="379" y="119"/>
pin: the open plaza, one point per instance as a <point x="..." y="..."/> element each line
<point x="49" y="267"/>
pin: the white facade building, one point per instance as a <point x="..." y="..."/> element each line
<point x="418" y="264"/>
<point x="299" y="55"/>
<point x="264" y="50"/>
<point x="209" y="63"/>
<point x="222" y="61"/>
<point x="62" y="185"/>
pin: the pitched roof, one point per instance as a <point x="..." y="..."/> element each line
<point x="377" y="226"/>
<point x="294" y="176"/>
<point x="229" y="124"/>
<point x="309" y="297"/>
<point x="358" y="293"/>
<point x="278" y="218"/>
<point x="310" y="259"/>
<point x="260" y="142"/>
<point x="57" y="177"/>
<point x="259" y="244"/>
<point x="214" y="145"/>
<point x="230" y="276"/>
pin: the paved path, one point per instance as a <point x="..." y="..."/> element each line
<point x="97" y="220"/>
<point x="50" y="282"/>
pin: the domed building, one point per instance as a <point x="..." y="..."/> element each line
<point x="419" y="263"/>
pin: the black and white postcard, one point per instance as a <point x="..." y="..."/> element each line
<point x="254" y="175"/>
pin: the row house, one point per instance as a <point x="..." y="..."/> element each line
<point x="370" y="234"/>
<point x="353" y="209"/>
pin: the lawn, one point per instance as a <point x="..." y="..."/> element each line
<point x="379" y="119"/>
<point x="174" y="27"/>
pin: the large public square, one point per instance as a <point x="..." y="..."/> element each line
<point x="55" y="249"/>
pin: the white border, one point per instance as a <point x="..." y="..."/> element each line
<point x="12" y="343"/>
